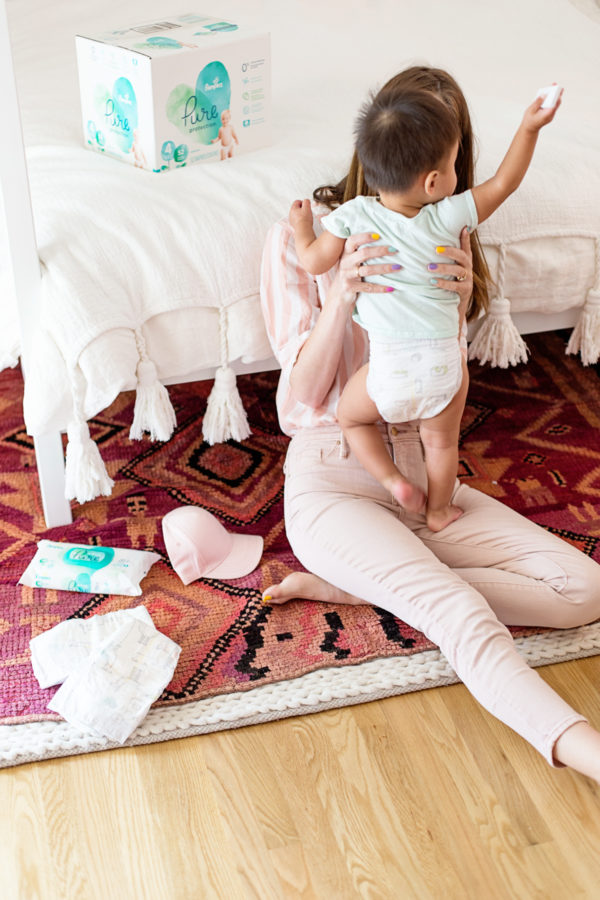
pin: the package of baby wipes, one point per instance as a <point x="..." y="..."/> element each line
<point x="87" y="568"/>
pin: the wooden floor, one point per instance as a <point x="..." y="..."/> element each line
<point x="419" y="796"/>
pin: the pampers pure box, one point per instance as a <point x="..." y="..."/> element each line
<point x="167" y="94"/>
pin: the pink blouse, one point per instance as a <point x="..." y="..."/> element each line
<point x="291" y="301"/>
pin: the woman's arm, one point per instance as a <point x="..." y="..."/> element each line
<point x="317" y="362"/>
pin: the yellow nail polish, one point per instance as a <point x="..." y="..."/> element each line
<point x="440" y="249"/>
<point x="375" y="237"/>
<point x="266" y="598"/>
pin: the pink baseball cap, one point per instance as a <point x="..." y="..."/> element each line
<point x="200" y="547"/>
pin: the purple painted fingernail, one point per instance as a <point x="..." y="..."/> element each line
<point x="396" y="266"/>
<point x="432" y="266"/>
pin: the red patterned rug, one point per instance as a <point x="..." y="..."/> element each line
<point x="530" y="438"/>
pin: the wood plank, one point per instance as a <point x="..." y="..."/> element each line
<point x="423" y="796"/>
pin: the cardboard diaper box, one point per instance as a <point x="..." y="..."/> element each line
<point x="185" y="90"/>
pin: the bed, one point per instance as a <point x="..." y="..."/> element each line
<point x="146" y="280"/>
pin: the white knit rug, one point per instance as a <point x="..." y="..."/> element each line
<point x="317" y="691"/>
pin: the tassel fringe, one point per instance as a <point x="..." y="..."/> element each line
<point x="498" y="340"/>
<point x="85" y="473"/>
<point x="225" y="416"/>
<point x="585" y="337"/>
<point x="153" y="411"/>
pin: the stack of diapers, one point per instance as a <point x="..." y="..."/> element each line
<point x="111" y="669"/>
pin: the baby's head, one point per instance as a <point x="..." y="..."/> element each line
<point x="225" y="117"/>
<point x="401" y="138"/>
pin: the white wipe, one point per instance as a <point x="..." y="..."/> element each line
<point x="111" y="693"/>
<point x="62" y="649"/>
<point x="550" y="94"/>
<point x="86" y="568"/>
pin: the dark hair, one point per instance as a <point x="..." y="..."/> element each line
<point x="401" y="137"/>
<point x="443" y="86"/>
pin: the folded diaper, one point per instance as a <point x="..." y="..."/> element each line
<point x="62" y="649"/>
<point x="87" y="568"/>
<point x="112" y="670"/>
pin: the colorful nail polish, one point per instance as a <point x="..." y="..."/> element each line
<point x="391" y="250"/>
<point x="433" y="280"/>
<point x="388" y="289"/>
<point x="440" y="249"/>
<point x="396" y="266"/>
<point x="375" y="237"/>
<point x="266" y="598"/>
<point x="432" y="266"/>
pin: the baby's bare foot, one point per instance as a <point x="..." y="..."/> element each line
<point x="437" y="519"/>
<point x="407" y="494"/>
<point x="306" y="586"/>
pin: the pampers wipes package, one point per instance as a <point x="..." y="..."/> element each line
<point x="87" y="568"/>
<point x="167" y="94"/>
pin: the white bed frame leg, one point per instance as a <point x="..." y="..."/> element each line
<point x="51" y="473"/>
<point x="26" y="269"/>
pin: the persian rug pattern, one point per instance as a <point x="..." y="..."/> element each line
<point x="529" y="438"/>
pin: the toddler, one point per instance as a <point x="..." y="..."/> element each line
<point x="408" y="147"/>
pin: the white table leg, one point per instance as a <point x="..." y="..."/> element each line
<point x="51" y="471"/>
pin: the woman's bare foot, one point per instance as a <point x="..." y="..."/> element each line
<point x="437" y="519"/>
<point x="305" y="586"/>
<point x="579" y="748"/>
<point x="408" y="495"/>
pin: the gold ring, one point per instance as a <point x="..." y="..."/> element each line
<point x="461" y="277"/>
<point x="357" y="272"/>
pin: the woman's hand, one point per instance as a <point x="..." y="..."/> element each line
<point x="461" y="270"/>
<point x="354" y="266"/>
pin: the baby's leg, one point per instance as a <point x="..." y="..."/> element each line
<point x="439" y="436"/>
<point x="357" y="415"/>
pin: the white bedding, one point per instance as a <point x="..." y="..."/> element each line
<point x="123" y="249"/>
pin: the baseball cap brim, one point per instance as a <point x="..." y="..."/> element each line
<point x="243" y="558"/>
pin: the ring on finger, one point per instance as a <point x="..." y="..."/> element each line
<point x="357" y="273"/>
<point x="463" y="276"/>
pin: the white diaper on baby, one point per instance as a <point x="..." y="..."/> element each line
<point x="413" y="379"/>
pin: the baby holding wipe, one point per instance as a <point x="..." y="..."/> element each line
<point x="408" y="146"/>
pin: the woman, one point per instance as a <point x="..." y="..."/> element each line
<point x="461" y="586"/>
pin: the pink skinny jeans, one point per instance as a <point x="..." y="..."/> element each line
<point x="460" y="587"/>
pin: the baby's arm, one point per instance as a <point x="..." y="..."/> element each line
<point x="317" y="254"/>
<point x="493" y="192"/>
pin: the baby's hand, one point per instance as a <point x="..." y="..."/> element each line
<point x="300" y="213"/>
<point x="535" y="117"/>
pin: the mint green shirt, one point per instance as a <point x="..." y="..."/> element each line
<point x="417" y="308"/>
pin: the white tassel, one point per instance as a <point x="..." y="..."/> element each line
<point x="153" y="410"/>
<point x="225" y="416"/>
<point x="85" y="473"/>
<point x="498" y="340"/>
<point x="585" y="337"/>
